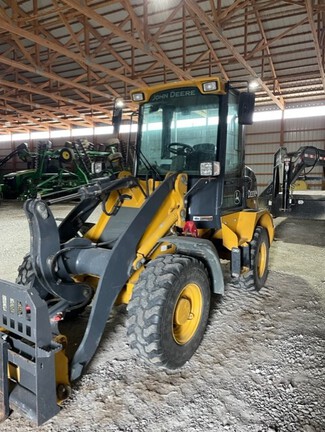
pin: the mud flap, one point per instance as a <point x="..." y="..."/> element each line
<point x="27" y="369"/>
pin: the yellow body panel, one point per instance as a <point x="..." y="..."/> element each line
<point x="171" y="213"/>
<point x="14" y="372"/>
<point x="126" y="293"/>
<point x="136" y="200"/>
<point x="300" y="185"/>
<point x="62" y="370"/>
<point x="196" y="82"/>
<point x="238" y="228"/>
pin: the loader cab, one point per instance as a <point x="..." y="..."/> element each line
<point x="195" y="127"/>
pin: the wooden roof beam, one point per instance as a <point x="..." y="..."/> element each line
<point x="261" y="47"/>
<point x="218" y="33"/>
<point x="45" y="111"/>
<point x="110" y="36"/>
<point x="56" y="98"/>
<point x="228" y="12"/>
<point x="21" y="18"/>
<point x="68" y="27"/>
<point x="318" y="52"/>
<point x="25" y="116"/>
<point x="84" y="62"/>
<point x="211" y="50"/>
<point x="158" y="55"/>
<point x="149" y="42"/>
<point x="52" y="76"/>
<point x="268" y="51"/>
<point x="163" y="26"/>
<point x="104" y="44"/>
<point x="32" y="116"/>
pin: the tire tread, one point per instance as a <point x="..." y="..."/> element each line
<point x="149" y="294"/>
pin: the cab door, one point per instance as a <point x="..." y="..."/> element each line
<point x="234" y="159"/>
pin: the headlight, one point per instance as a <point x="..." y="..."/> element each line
<point x="137" y="97"/>
<point x="210" y="169"/>
<point x="210" y="86"/>
<point x="97" y="167"/>
<point x="119" y="103"/>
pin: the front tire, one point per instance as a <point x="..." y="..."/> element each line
<point x="169" y="310"/>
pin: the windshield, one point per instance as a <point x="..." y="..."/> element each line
<point x="177" y="133"/>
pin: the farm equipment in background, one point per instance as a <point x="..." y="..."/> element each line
<point x="23" y="153"/>
<point x="287" y="194"/>
<point x="61" y="170"/>
<point x="156" y="247"/>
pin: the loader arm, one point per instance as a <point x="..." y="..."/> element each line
<point x="121" y="257"/>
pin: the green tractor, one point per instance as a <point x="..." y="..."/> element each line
<point x="60" y="170"/>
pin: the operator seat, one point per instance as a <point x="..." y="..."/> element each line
<point x="178" y="163"/>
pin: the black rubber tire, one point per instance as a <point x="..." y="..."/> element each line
<point x="26" y="276"/>
<point x="25" y="271"/>
<point x="152" y="310"/>
<point x="66" y="155"/>
<point x="254" y="280"/>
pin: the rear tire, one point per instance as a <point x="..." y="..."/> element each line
<point x="255" y="278"/>
<point x="169" y="310"/>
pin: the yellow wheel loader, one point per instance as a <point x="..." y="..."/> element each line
<point x="156" y="247"/>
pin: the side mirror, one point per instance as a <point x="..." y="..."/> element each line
<point x="117" y="119"/>
<point x="117" y="115"/>
<point x="246" y="108"/>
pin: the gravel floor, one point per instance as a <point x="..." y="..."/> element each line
<point x="259" y="368"/>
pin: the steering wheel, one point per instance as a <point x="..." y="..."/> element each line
<point x="180" y="149"/>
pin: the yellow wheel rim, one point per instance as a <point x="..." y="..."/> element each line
<point x="187" y="313"/>
<point x="65" y="155"/>
<point x="262" y="257"/>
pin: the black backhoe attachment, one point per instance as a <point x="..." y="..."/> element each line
<point x="280" y="195"/>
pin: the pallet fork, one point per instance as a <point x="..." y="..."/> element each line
<point x="27" y="352"/>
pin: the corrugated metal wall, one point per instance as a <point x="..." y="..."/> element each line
<point x="264" y="138"/>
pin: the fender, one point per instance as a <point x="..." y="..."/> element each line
<point x="204" y="250"/>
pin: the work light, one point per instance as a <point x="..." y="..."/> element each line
<point x="210" y="169"/>
<point x="210" y="86"/>
<point x="137" y="97"/>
